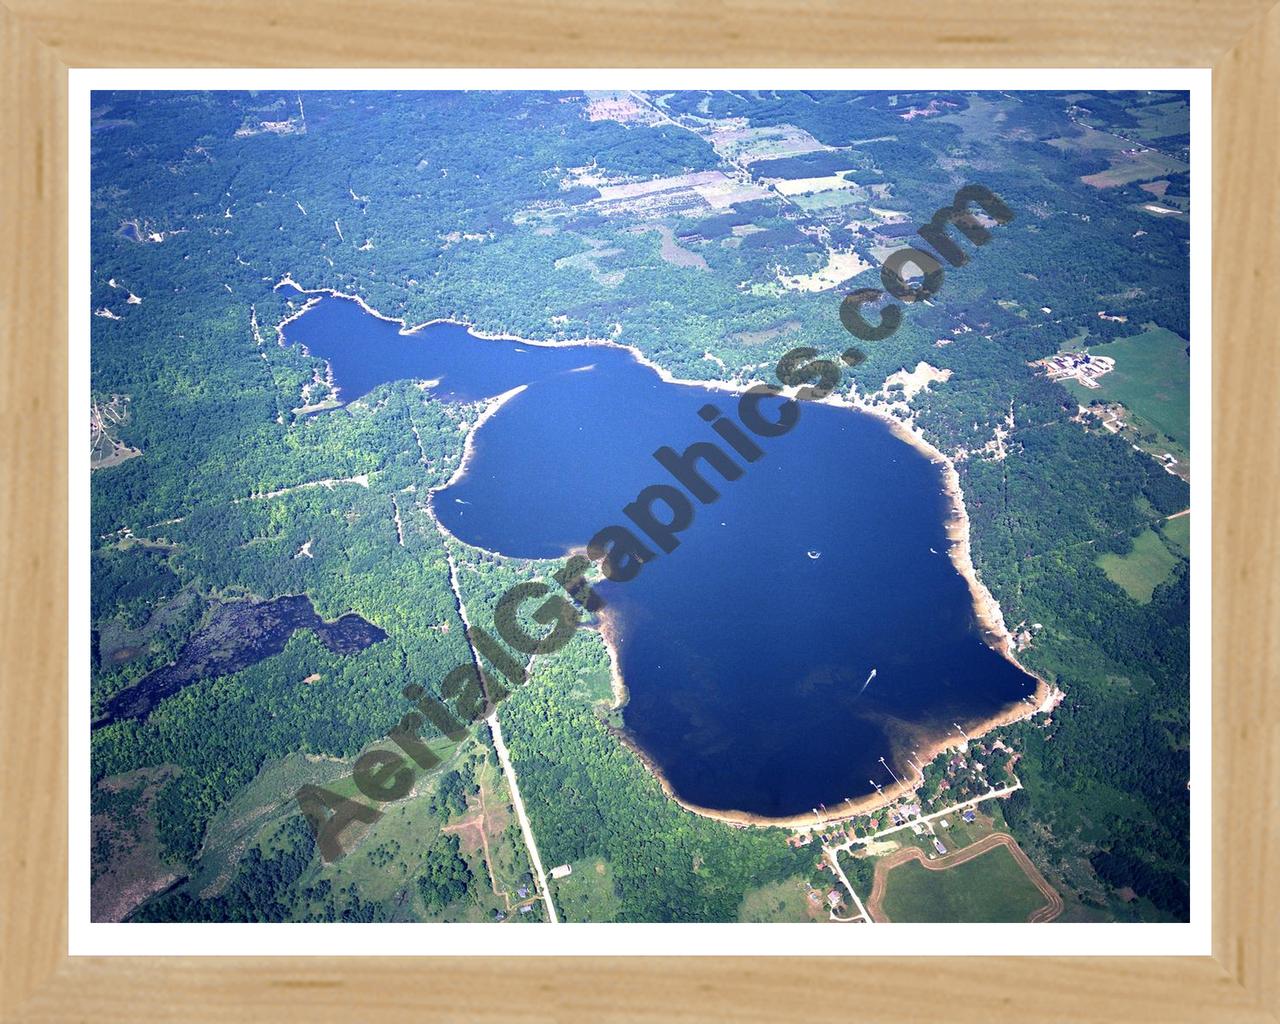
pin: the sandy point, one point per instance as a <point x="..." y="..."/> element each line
<point x="490" y="409"/>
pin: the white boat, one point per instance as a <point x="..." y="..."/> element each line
<point x="814" y="554"/>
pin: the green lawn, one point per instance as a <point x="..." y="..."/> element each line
<point x="988" y="888"/>
<point x="958" y="833"/>
<point x="1152" y="379"/>
<point x="1144" y="568"/>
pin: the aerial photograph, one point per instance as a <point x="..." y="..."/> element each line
<point x="762" y="506"/>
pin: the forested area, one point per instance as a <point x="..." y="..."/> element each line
<point x="468" y="206"/>
<point x="588" y="795"/>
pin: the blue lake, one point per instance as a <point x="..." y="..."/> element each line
<point x="746" y="649"/>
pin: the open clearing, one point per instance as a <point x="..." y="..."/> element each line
<point x="588" y="894"/>
<point x="127" y="860"/>
<point x="983" y="121"/>
<point x="1160" y="120"/>
<point x="1143" y="569"/>
<point x="106" y="417"/>
<point x="780" y="901"/>
<point x="1129" y="161"/>
<point x="1134" y="165"/>
<point x="1178" y="533"/>
<point x="990" y="881"/>
<point x="839" y="268"/>
<point x="1152" y="379"/>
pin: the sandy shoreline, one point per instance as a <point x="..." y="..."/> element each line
<point x="1045" y="697"/>
<point x="491" y="406"/>
<point x="985" y="607"/>
<point x="666" y="375"/>
<point x="607" y="629"/>
<point x="987" y="611"/>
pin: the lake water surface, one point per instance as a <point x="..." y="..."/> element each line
<point x="746" y="650"/>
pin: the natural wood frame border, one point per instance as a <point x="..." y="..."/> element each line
<point x="39" y="40"/>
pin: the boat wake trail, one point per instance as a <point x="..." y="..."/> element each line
<point x="868" y="682"/>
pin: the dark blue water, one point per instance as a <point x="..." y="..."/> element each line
<point x="237" y="635"/>
<point x="745" y="657"/>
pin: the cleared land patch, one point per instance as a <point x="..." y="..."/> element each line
<point x="800" y="186"/>
<point x="127" y="861"/>
<point x="588" y="894"/>
<point x="781" y="901"/>
<point x="734" y="140"/>
<point x="1177" y="531"/>
<point x="768" y="333"/>
<point x="1143" y="569"/>
<point x="990" y="881"/>
<point x="1134" y="165"/>
<point x="671" y="250"/>
<point x="839" y="268"/>
<point x="1129" y="161"/>
<point x="983" y="121"/>
<point x="1152" y="379"/>
<point x="106" y="416"/>
<point x="1161" y="120"/>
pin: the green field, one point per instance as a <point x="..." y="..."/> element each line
<point x="588" y="894"/>
<point x="1130" y="167"/>
<point x="1178" y="533"/>
<point x="1144" y="568"/>
<point x="780" y="901"/>
<point x="1152" y="379"/>
<point x="1159" y="120"/>
<point x="988" y="888"/>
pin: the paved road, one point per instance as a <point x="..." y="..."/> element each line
<point x="495" y="728"/>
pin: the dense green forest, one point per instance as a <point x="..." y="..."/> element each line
<point x="501" y="210"/>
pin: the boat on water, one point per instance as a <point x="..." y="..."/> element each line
<point x="814" y="554"/>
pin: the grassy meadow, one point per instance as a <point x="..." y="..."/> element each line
<point x="991" y="887"/>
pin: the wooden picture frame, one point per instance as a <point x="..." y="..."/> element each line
<point x="40" y="41"/>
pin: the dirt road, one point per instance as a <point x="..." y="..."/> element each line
<point x="509" y="770"/>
